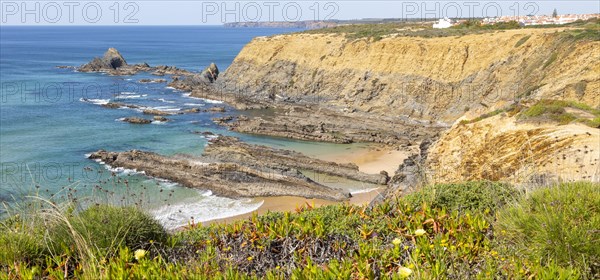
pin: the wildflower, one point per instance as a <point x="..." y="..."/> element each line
<point x="404" y="271"/>
<point x="420" y="232"/>
<point x="140" y="254"/>
<point x="250" y="258"/>
<point x="396" y="241"/>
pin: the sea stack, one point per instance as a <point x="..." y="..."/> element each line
<point x="111" y="60"/>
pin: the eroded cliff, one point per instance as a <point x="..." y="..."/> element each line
<point x="441" y="80"/>
<point x="424" y="78"/>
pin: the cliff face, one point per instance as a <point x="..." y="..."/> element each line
<point x="424" y="78"/>
<point x="506" y="149"/>
<point x="444" y="80"/>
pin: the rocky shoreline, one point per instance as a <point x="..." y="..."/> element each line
<point x="270" y="116"/>
<point x="235" y="169"/>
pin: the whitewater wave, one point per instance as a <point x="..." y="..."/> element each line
<point x="166" y="108"/>
<point x="204" y="207"/>
<point x="165" y="101"/>
<point x="194" y="104"/>
<point x="95" y="101"/>
<point x="126" y="96"/>
<point x="363" y="191"/>
<point x="205" y="100"/>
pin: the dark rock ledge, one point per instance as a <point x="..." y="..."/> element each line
<point x="231" y="168"/>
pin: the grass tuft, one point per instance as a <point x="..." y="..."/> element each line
<point x="556" y="224"/>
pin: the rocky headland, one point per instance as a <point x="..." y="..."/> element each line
<point x="442" y="99"/>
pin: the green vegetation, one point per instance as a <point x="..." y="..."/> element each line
<point x="556" y="224"/>
<point x="522" y="41"/>
<point x="483" y="117"/>
<point x="580" y="30"/>
<point x="470" y="196"/>
<point x="550" y="60"/>
<point x="556" y="110"/>
<point x="453" y="231"/>
<point x="548" y="110"/>
<point x="95" y="233"/>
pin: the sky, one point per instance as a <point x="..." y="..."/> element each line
<point x="192" y="12"/>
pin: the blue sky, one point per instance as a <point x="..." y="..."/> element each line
<point x="191" y="12"/>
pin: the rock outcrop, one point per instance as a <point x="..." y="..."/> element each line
<point x="230" y="149"/>
<point x="112" y="60"/>
<point x="192" y="82"/>
<point x="113" y="63"/>
<point x="232" y="168"/>
<point x="325" y="125"/>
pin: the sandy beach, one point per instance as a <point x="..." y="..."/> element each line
<point x="370" y="159"/>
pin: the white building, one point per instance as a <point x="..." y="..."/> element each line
<point x="443" y="23"/>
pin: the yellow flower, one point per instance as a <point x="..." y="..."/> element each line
<point x="404" y="271"/>
<point x="396" y="241"/>
<point x="250" y="258"/>
<point x="420" y="232"/>
<point x="140" y="254"/>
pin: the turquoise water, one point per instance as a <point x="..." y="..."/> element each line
<point x="51" y="118"/>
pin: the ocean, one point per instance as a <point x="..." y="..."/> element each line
<point x="50" y="117"/>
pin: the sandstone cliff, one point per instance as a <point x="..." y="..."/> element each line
<point x="424" y="78"/>
<point x="441" y="80"/>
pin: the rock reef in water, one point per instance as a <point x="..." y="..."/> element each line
<point x="231" y="168"/>
<point x="137" y="120"/>
<point x="115" y="64"/>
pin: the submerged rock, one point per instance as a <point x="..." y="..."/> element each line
<point x="137" y="120"/>
<point x="148" y="81"/>
<point x="218" y="109"/>
<point x="160" y="119"/>
<point x="156" y="112"/>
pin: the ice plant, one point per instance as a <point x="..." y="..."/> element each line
<point x="140" y="254"/>
<point x="420" y="232"/>
<point x="404" y="271"/>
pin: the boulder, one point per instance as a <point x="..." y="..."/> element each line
<point x="211" y="73"/>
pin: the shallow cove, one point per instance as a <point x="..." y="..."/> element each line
<point x="45" y="133"/>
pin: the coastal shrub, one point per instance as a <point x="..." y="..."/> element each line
<point x="401" y="238"/>
<point x="557" y="224"/>
<point x="595" y="123"/>
<point x="94" y="233"/>
<point x="20" y="245"/>
<point x="477" y="196"/>
<point x="108" y="228"/>
<point x="555" y="110"/>
<point x="484" y="116"/>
